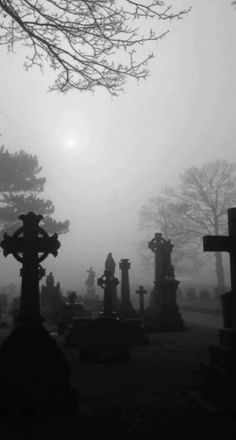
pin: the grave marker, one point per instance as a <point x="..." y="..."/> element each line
<point x="30" y="245"/>
<point x="107" y="282"/>
<point x="141" y="292"/>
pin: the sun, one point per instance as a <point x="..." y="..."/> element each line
<point x="71" y="143"/>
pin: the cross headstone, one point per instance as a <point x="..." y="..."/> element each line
<point x="108" y="282"/>
<point x="141" y="292"/>
<point x="162" y="249"/>
<point x="30" y="245"/>
<point x="226" y="243"/>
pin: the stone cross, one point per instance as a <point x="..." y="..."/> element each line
<point x="226" y="243"/>
<point x="141" y="292"/>
<point x="30" y="245"/>
<point x="162" y="249"/>
<point x="107" y="281"/>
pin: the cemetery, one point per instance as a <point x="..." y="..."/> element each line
<point x="75" y="362"/>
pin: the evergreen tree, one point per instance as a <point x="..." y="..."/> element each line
<point x="20" y="183"/>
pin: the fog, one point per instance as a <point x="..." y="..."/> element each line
<point x="104" y="157"/>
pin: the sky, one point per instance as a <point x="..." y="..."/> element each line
<point x="104" y="157"/>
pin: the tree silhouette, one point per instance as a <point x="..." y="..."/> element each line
<point x="198" y="207"/>
<point x="89" y="43"/>
<point x="19" y="185"/>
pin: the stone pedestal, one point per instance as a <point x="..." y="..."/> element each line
<point x="166" y="311"/>
<point x="126" y="309"/>
<point x="219" y="378"/>
<point x="104" y="340"/>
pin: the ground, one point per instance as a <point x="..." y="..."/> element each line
<point x="153" y="395"/>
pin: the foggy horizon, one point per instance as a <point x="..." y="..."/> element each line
<point x="105" y="157"/>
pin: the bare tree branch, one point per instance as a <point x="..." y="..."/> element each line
<point x="88" y="43"/>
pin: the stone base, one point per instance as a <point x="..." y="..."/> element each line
<point x="169" y="319"/>
<point x="127" y="311"/>
<point x="104" y="340"/>
<point x="34" y="375"/>
<point x="135" y="332"/>
<point x="219" y="377"/>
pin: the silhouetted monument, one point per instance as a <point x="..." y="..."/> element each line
<point x="166" y="312"/>
<point x="126" y="309"/>
<point x="107" y="281"/>
<point x="51" y="299"/>
<point x="141" y="292"/>
<point x="90" y="283"/>
<point x="105" y="339"/>
<point x="223" y="357"/>
<point x="110" y="266"/>
<point x="34" y="375"/>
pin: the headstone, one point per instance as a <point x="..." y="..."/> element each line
<point x="126" y="309"/>
<point x="141" y="292"/>
<point x="165" y="309"/>
<point x="107" y="281"/>
<point x="105" y="339"/>
<point x="110" y="266"/>
<point x="222" y="365"/>
<point x="34" y="374"/>
<point x="90" y="283"/>
<point x="51" y="299"/>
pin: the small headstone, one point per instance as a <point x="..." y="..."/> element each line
<point x="90" y="283"/>
<point x="141" y="292"/>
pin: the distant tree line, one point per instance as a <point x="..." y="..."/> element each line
<point x="196" y="208"/>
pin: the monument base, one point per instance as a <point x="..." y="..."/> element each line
<point x="104" y="339"/>
<point x="167" y="316"/>
<point x="219" y="380"/>
<point x="34" y="375"/>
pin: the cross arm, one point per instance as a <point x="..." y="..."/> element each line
<point x="215" y="243"/>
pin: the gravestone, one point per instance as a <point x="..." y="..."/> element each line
<point x="105" y="339"/>
<point x="51" y="299"/>
<point x="141" y="292"/>
<point x="90" y="283"/>
<point x="126" y="309"/>
<point x="165" y="309"/>
<point x="70" y="310"/>
<point x="110" y="266"/>
<point x="222" y="365"/>
<point x="90" y="299"/>
<point x="34" y="374"/>
<point x="108" y="282"/>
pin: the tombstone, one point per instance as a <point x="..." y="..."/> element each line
<point x="126" y="309"/>
<point x="71" y="309"/>
<point x="222" y="365"/>
<point x="108" y="282"/>
<point x="141" y="292"/>
<point x="110" y="266"/>
<point x="51" y="299"/>
<point x="90" y="283"/>
<point x="105" y="339"/>
<point x="34" y="374"/>
<point x="165" y="309"/>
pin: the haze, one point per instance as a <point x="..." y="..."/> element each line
<point x="105" y="157"/>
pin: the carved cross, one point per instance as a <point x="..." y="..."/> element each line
<point x="226" y="243"/>
<point x="141" y="292"/>
<point x="30" y="245"/>
<point x="162" y="249"/>
<point x="107" y="281"/>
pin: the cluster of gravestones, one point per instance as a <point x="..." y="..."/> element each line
<point x="34" y="374"/>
